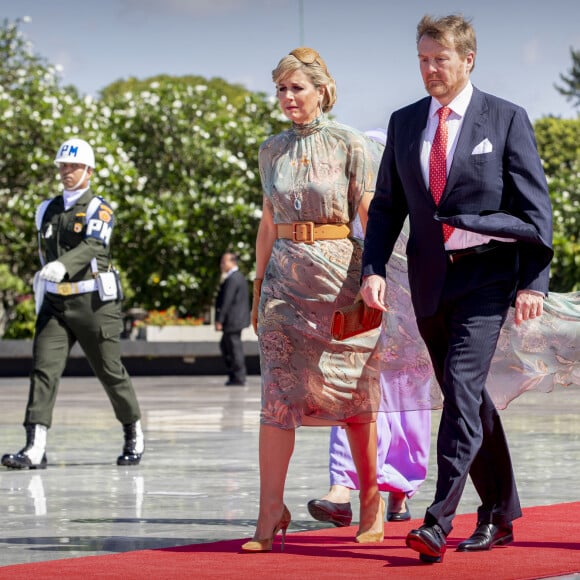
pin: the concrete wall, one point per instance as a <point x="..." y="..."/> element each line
<point x="141" y="357"/>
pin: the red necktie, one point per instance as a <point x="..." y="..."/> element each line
<point x="438" y="163"/>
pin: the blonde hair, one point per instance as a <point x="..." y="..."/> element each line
<point x="311" y="63"/>
<point x="453" y="31"/>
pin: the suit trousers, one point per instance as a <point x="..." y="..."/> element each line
<point x="233" y="354"/>
<point x="96" y="325"/>
<point x="461" y="338"/>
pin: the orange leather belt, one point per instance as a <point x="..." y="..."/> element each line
<point x="309" y="232"/>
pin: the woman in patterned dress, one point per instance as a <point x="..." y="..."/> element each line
<point x="316" y="178"/>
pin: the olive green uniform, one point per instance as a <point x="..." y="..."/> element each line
<point x="74" y="238"/>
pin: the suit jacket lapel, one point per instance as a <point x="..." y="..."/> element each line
<point x="471" y="133"/>
<point x="416" y="126"/>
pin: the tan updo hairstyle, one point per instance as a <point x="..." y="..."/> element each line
<point x="311" y="63"/>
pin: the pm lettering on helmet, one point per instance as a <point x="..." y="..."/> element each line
<point x="100" y="230"/>
<point x="68" y="151"/>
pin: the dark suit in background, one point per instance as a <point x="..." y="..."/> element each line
<point x="232" y="315"/>
<point x="495" y="187"/>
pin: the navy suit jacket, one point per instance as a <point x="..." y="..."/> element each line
<point x="503" y="193"/>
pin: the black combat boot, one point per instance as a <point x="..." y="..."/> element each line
<point x="33" y="454"/>
<point x="134" y="444"/>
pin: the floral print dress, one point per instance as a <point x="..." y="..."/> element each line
<point x="319" y="173"/>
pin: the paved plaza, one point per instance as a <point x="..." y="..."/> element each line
<point x="198" y="481"/>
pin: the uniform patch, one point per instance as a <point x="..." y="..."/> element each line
<point x="100" y="222"/>
<point x="100" y="230"/>
<point x="78" y="228"/>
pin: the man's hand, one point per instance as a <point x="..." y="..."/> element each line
<point x="53" y="271"/>
<point x="373" y="291"/>
<point x="529" y="305"/>
<point x="219" y="326"/>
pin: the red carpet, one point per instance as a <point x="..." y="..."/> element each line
<point x="547" y="543"/>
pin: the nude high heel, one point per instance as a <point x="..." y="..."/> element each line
<point x="372" y="537"/>
<point x="265" y="545"/>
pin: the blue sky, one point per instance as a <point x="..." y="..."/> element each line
<point x="369" y="45"/>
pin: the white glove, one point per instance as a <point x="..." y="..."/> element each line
<point x="53" y="271"/>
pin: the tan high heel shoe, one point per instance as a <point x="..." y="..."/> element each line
<point x="265" y="545"/>
<point x="372" y="537"/>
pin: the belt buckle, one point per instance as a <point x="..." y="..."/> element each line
<point x="64" y="289"/>
<point x="303" y="232"/>
<point x="452" y="258"/>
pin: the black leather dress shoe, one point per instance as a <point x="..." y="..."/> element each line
<point x="486" y="536"/>
<point x="429" y="541"/>
<point x="396" y="502"/>
<point x="399" y="516"/>
<point x="339" y="514"/>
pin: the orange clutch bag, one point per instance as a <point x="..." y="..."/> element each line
<point x="354" y="319"/>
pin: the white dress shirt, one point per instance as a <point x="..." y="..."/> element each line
<point x="459" y="239"/>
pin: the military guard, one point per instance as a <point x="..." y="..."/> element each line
<point x="78" y="298"/>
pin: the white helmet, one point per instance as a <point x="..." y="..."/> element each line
<point x="75" y="151"/>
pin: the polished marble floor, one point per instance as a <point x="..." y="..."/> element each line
<point x="198" y="480"/>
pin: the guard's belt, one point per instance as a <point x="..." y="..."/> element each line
<point x="69" y="288"/>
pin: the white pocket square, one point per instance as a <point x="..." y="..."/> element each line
<point x="484" y="147"/>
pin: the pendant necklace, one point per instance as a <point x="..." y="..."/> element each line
<point x="298" y="186"/>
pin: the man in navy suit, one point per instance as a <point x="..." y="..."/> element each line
<point x="232" y="315"/>
<point x="480" y="241"/>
